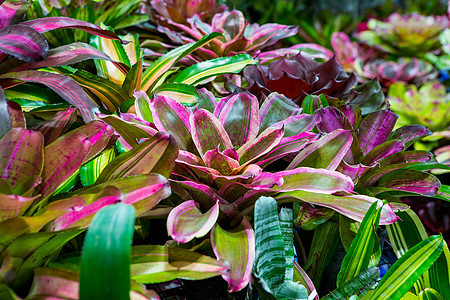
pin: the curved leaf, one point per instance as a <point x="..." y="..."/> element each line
<point x="21" y="156"/>
<point x="46" y="24"/>
<point x="5" y="119"/>
<point x="186" y="222"/>
<point x="240" y="118"/>
<point x="57" y="125"/>
<point x="154" y="263"/>
<point x="23" y="42"/>
<point x="207" y="132"/>
<point x="181" y="92"/>
<point x="408" y="268"/>
<point x="106" y="274"/>
<point x="155" y="73"/>
<point x="155" y="155"/>
<point x="237" y="248"/>
<point x="64" y="86"/>
<point x="207" y="69"/>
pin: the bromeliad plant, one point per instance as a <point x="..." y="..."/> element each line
<point x="238" y="36"/>
<point x="220" y="166"/>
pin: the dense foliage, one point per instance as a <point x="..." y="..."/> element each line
<point x="145" y="141"/>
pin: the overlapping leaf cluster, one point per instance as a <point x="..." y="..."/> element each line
<point x="197" y="147"/>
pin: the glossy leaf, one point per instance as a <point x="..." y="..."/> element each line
<point x="408" y="268"/>
<point x="153" y="75"/>
<point x="90" y="171"/>
<point x="186" y="222"/>
<point x="410" y="181"/>
<point x="375" y="129"/>
<point x="23" y="42"/>
<point x="276" y="108"/>
<point x="354" y="286"/>
<point x="62" y="158"/>
<point x="155" y="155"/>
<point x="108" y="93"/>
<point x="171" y="117"/>
<point x="64" y="86"/>
<point x="352" y="206"/>
<point x="326" y="153"/>
<point x="181" y="92"/>
<point x="14" y="205"/>
<point x="270" y="264"/>
<point x="154" y="263"/>
<point x="21" y="157"/>
<point x="207" y="132"/>
<point x="66" y="55"/>
<point x="47" y="24"/>
<point x="259" y="146"/>
<point x="237" y="248"/>
<point x="207" y="69"/>
<point x="106" y="274"/>
<point x="240" y="118"/>
<point x="5" y="121"/>
<point x="56" y="126"/>
<point x="358" y="256"/>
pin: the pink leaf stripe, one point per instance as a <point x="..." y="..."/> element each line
<point x="64" y="86"/>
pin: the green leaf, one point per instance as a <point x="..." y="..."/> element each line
<point x="207" y="69"/>
<point x="156" y="73"/>
<point x="155" y="155"/>
<point x="237" y="248"/>
<point x="109" y="94"/>
<point x="105" y="260"/>
<point x="408" y="268"/>
<point x="353" y="286"/>
<point x="154" y="263"/>
<point x="183" y="93"/>
<point x="5" y="122"/>
<point x="430" y="294"/>
<point x="358" y="256"/>
<point x="270" y="264"/>
<point x="292" y="290"/>
<point x="90" y="171"/>
<point x="324" y="243"/>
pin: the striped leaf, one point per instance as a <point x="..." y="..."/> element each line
<point x="23" y="42"/>
<point x="67" y="55"/>
<point x="133" y="80"/>
<point x="155" y="155"/>
<point x="21" y="157"/>
<point x="406" y="233"/>
<point x="270" y="265"/>
<point x="154" y="263"/>
<point x="408" y="268"/>
<point x="90" y="171"/>
<point x="5" y="121"/>
<point x="65" y="285"/>
<point x="183" y="93"/>
<point x="430" y="294"/>
<point x="64" y="86"/>
<point x="56" y="126"/>
<point x="116" y="51"/>
<point x="186" y="222"/>
<point x="43" y="25"/>
<point x="105" y="274"/>
<point x="108" y="93"/>
<point x="326" y="153"/>
<point x="207" y="69"/>
<point x="155" y="74"/>
<point x="16" y="116"/>
<point x="358" y="256"/>
<point x="237" y="248"/>
<point x="355" y="285"/>
<point x="68" y="152"/>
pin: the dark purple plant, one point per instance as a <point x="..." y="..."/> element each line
<point x="298" y="76"/>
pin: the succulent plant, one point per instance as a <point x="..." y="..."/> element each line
<point x="405" y="70"/>
<point x="428" y="105"/>
<point x="407" y="35"/>
<point x="298" y="76"/>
